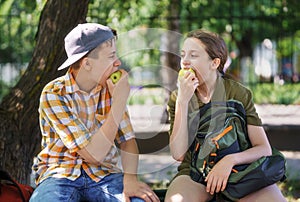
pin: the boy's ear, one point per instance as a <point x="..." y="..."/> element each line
<point x="86" y="64"/>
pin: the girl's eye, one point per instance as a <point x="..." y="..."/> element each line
<point x="194" y="56"/>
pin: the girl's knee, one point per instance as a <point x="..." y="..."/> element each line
<point x="184" y="189"/>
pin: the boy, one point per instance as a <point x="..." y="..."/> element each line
<point x="85" y="126"/>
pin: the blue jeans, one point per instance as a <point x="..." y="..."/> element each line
<point x="83" y="188"/>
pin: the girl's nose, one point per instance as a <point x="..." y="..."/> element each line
<point x="185" y="62"/>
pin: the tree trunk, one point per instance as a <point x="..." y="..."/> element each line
<point x="19" y="126"/>
<point x="245" y="52"/>
<point x="171" y="58"/>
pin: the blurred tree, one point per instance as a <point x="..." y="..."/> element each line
<point x="18" y="19"/>
<point x="243" y="23"/>
<point x="137" y="17"/>
<point x="172" y="57"/>
<point x="19" y="127"/>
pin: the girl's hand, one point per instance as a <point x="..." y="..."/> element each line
<point x="187" y="85"/>
<point x="217" y="178"/>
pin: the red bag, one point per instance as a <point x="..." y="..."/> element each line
<point x="12" y="191"/>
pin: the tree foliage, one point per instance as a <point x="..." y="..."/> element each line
<point x="246" y="22"/>
<point x="243" y="23"/>
<point x="18" y="22"/>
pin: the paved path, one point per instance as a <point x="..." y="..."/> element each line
<point x="279" y="114"/>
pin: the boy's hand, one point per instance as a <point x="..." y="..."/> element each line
<point x="121" y="89"/>
<point x="135" y="188"/>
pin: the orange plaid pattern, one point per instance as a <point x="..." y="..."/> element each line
<point x="68" y="119"/>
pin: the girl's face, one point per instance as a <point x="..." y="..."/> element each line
<point x="193" y="55"/>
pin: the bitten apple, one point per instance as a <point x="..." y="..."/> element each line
<point x="182" y="71"/>
<point x="115" y="77"/>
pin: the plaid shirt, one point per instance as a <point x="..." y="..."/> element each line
<point x="68" y="119"/>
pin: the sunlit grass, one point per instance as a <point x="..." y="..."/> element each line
<point x="269" y="93"/>
<point x="291" y="189"/>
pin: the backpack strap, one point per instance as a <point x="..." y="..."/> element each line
<point x="5" y="176"/>
<point x="231" y="106"/>
<point x="238" y="106"/>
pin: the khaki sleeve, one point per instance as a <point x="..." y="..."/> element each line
<point x="237" y="91"/>
<point x="171" y="110"/>
<point x="251" y="114"/>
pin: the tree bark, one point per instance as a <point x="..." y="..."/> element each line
<point x="171" y="58"/>
<point x="19" y="126"/>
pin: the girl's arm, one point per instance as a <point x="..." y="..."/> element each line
<point x="218" y="176"/>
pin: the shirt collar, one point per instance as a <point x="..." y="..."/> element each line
<point x="220" y="91"/>
<point x="72" y="87"/>
<point x="218" y="95"/>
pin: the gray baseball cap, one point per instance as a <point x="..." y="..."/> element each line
<point x="84" y="38"/>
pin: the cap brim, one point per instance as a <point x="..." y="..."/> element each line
<point x="71" y="60"/>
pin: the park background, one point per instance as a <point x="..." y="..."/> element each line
<point x="263" y="38"/>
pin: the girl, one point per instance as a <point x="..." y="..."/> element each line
<point x="206" y="53"/>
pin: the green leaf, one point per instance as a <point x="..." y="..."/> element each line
<point x="5" y="7"/>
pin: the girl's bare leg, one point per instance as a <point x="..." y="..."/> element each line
<point x="268" y="194"/>
<point x="183" y="188"/>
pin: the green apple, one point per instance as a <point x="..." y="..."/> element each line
<point x="115" y="77"/>
<point x="182" y="71"/>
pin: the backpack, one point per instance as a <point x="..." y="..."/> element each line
<point x="220" y="128"/>
<point x="12" y="191"/>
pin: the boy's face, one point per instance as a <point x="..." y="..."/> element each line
<point x="103" y="62"/>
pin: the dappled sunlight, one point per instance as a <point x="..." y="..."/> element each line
<point x="177" y="198"/>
